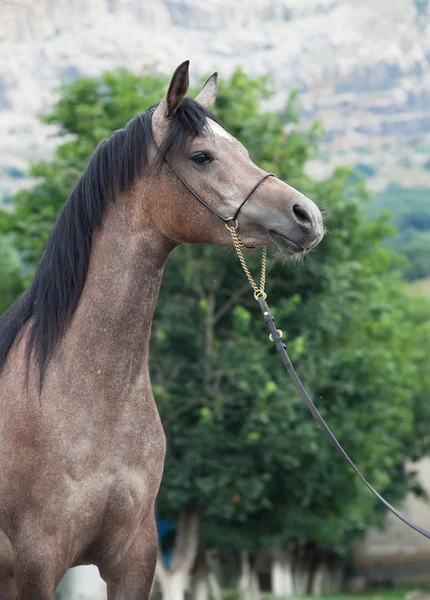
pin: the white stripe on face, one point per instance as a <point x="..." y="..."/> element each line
<point x="217" y="130"/>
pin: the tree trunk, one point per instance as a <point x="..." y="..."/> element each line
<point x="301" y="580"/>
<point x="175" y="579"/>
<point x="327" y="578"/>
<point x="200" y="583"/>
<point x="205" y="583"/>
<point x="249" y="585"/>
<point x="214" y="587"/>
<point x="282" y="574"/>
<point x="82" y="583"/>
<point x="305" y="569"/>
<point x="174" y="585"/>
<point x="319" y="583"/>
<point x="302" y="572"/>
<point x="200" y="587"/>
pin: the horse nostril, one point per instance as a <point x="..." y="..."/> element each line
<point x="302" y="216"/>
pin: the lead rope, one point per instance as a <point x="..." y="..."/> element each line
<point x="275" y="336"/>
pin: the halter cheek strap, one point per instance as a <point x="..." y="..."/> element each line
<point x="219" y="215"/>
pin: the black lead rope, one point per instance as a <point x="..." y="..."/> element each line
<point x="281" y="348"/>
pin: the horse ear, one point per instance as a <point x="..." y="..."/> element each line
<point x="175" y="94"/>
<point x="178" y="88"/>
<point x="207" y="96"/>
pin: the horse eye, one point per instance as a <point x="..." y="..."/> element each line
<point x="201" y="158"/>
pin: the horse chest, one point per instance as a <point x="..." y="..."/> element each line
<point x="128" y="496"/>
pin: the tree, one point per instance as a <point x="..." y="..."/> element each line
<point x="284" y="476"/>
<point x="227" y="397"/>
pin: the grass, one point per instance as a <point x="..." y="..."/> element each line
<point x="376" y="594"/>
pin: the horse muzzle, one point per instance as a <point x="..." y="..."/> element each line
<point x="301" y="230"/>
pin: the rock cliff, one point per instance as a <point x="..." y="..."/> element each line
<point x="361" y="66"/>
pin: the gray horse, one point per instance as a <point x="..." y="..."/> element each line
<point x="81" y="443"/>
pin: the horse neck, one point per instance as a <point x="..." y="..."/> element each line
<point x="109" y="334"/>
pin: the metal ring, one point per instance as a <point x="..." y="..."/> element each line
<point x="280" y="334"/>
<point x="231" y="228"/>
<point x="259" y="294"/>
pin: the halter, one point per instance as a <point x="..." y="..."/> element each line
<point x="276" y="334"/>
<point x="232" y="225"/>
<point x="225" y="220"/>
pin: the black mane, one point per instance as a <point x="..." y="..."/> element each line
<point x="52" y="297"/>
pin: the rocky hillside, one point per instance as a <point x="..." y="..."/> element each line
<point x="362" y="67"/>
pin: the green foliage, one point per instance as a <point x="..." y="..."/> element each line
<point x="11" y="284"/>
<point x="256" y="462"/>
<point x="240" y="442"/>
<point x="378" y="594"/>
<point x="410" y="210"/>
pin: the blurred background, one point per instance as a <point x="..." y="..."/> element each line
<point x="334" y="97"/>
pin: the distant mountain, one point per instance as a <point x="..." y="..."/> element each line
<point x="361" y="66"/>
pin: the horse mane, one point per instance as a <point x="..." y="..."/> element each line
<point x="52" y="298"/>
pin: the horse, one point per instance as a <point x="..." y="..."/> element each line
<point x="82" y="447"/>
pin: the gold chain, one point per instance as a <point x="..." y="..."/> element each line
<point x="239" y="246"/>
